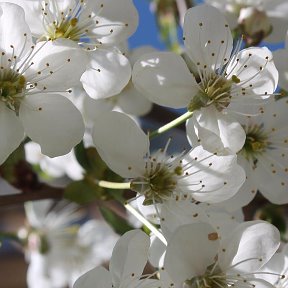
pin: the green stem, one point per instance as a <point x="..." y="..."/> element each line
<point x="171" y="124"/>
<point x="113" y="185"/>
<point x="145" y="222"/>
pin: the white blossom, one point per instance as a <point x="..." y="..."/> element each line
<point x="197" y="173"/>
<point x="128" y="260"/>
<point x="264" y="155"/>
<point x="30" y="78"/>
<point x="58" y="249"/>
<point x="87" y="21"/>
<point x="226" y="81"/>
<point x="198" y="256"/>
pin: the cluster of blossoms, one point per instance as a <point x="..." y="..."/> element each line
<point x="65" y="67"/>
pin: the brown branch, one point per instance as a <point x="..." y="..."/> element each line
<point x="43" y="192"/>
<point x="27" y="181"/>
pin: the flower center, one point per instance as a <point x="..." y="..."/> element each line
<point x="12" y="88"/>
<point x="67" y="28"/>
<point x="60" y="22"/>
<point x="157" y="184"/>
<point x="215" y="89"/>
<point x="256" y="142"/>
<point x="213" y="278"/>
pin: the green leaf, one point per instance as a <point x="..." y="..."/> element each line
<point x="8" y="169"/>
<point x="119" y="225"/>
<point x="83" y="192"/>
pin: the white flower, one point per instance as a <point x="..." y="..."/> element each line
<point x="30" y="77"/>
<point x="198" y="174"/>
<point x="198" y="256"/>
<point x="86" y="21"/>
<point x="93" y="25"/>
<point x="59" y="250"/>
<point x="178" y="213"/>
<point x="226" y="82"/>
<point x="128" y="260"/>
<point x="262" y="19"/>
<point x="264" y="155"/>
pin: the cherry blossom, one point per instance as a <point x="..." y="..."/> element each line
<point x="58" y="249"/>
<point x="31" y="77"/>
<point x="129" y="258"/>
<point x="197" y="173"/>
<point x="225" y="81"/>
<point x="198" y="256"/>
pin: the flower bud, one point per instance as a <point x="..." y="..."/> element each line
<point x="255" y="24"/>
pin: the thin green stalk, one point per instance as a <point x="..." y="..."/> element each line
<point x="113" y="185"/>
<point x="144" y="221"/>
<point x="171" y="124"/>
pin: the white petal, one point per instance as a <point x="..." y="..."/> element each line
<point x="277" y="13"/>
<point x="119" y="16"/>
<point x="157" y="252"/>
<point x="247" y="191"/>
<point x="275" y="267"/>
<point x="214" y="130"/>
<point x="271" y="177"/>
<point x="33" y="152"/>
<point x="190" y="252"/>
<point x="11" y="130"/>
<point x="249" y="246"/>
<point x="121" y="143"/>
<point x="177" y="213"/>
<point x="281" y="62"/>
<point x="52" y="121"/>
<point x="136" y="53"/>
<point x="129" y="257"/>
<point x="107" y="74"/>
<point x="37" y="273"/>
<point x="96" y="278"/>
<point x="36" y="212"/>
<point x="212" y="178"/>
<point x="207" y="36"/>
<point x="255" y="67"/>
<point x="133" y="102"/>
<point x="92" y="108"/>
<point x="164" y="79"/>
<point x="13" y="31"/>
<point x="58" y="65"/>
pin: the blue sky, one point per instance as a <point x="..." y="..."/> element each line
<point x="147" y="33"/>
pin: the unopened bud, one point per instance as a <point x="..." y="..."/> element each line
<point x="255" y="24"/>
